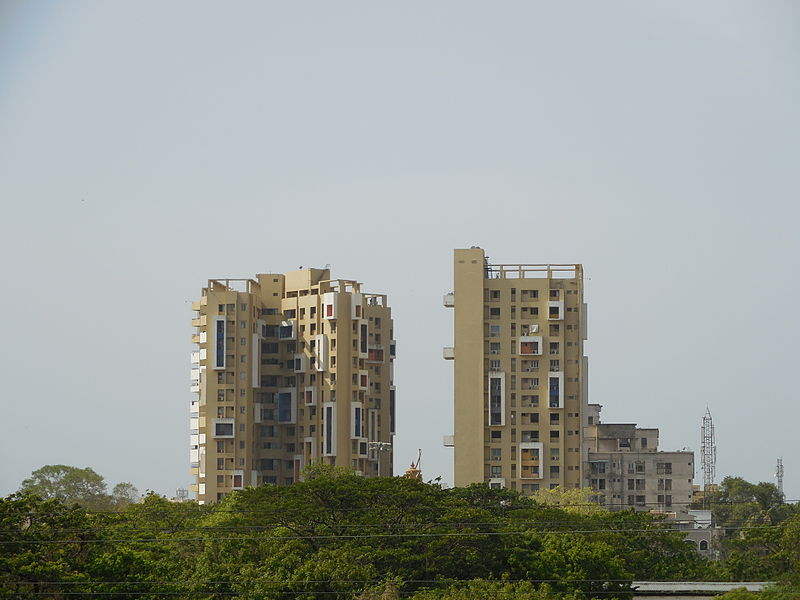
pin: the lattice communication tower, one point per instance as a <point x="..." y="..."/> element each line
<point x="708" y="451"/>
<point x="779" y="475"/>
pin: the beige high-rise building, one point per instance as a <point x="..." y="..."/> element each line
<point x="520" y="373"/>
<point x="289" y="369"/>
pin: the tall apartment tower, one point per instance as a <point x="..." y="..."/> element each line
<point x="520" y="373"/>
<point x="289" y="369"/>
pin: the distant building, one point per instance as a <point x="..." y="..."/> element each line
<point x="289" y="369"/>
<point x="627" y="470"/>
<point x="520" y="373"/>
<point x="701" y="531"/>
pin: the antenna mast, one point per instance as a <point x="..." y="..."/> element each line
<point x="709" y="454"/>
<point x="779" y="475"/>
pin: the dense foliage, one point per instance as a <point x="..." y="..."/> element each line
<point x="758" y="526"/>
<point x="343" y="537"/>
<point x="81" y="486"/>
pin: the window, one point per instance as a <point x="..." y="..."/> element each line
<point x="554" y="294"/>
<point x="494" y="330"/>
<point x="494" y="294"/>
<point x="496" y="404"/>
<point x="553" y="347"/>
<point x="644" y="442"/>
<point x="664" y="468"/>
<point x="497" y="471"/>
<point x="497" y="454"/>
<point x="496" y="435"/>
<point x="554" y="418"/>
<point x="555" y="471"/>
<point x="554" y="435"/>
<point x="529" y="346"/>
<point x="494" y="348"/>
<point x="555" y="392"/>
<point x="223" y="429"/>
<point x="555" y="365"/>
<point x="495" y="312"/>
<point x="285" y="407"/>
<point x="494" y="365"/>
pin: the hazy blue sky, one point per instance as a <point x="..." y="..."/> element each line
<point x="148" y="146"/>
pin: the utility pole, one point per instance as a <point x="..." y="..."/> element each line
<point x="709" y="455"/>
<point x="380" y="447"/>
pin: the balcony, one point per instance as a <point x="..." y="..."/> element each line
<point x="448" y="441"/>
<point x="449" y="353"/>
<point x="375" y="353"/>
<point x="200" y="321"/>
<point x="449" y="300"/>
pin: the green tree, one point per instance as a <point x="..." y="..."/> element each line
<point x="578" y="500"/>
<point x="738" y="502"/>
<point x="123" y="495"/>
<point x="42" y="549"/>
<point x="69" y="485"/>
<point x="504" y="590"/>
<point x="569" y="562"/>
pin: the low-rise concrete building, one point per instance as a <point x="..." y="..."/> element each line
<point x="627" y="470"/>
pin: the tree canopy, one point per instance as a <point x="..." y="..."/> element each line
<point x="339" y="536"/>
<point x="80" y="486"/>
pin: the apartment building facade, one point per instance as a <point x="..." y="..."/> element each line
<point x="627" y="470"/>
<point x="289" y="369"/>
<point x="520" y="373"/>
